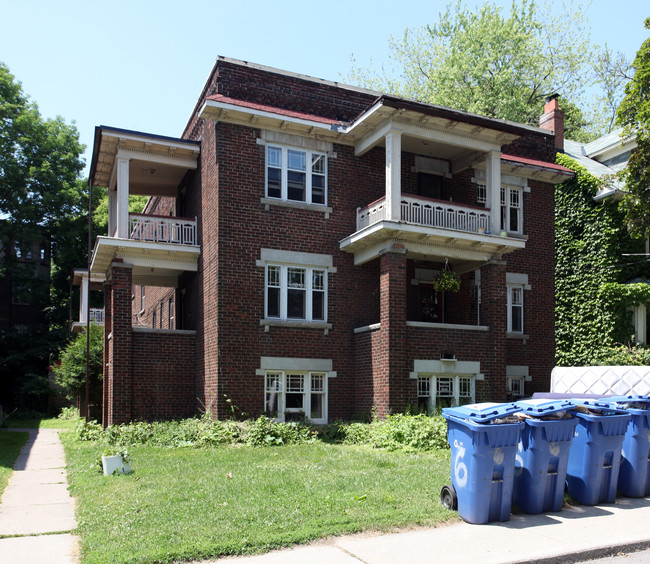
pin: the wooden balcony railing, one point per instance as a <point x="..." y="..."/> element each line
<point x="162" y="229"/>
<point x="429" y="213"/>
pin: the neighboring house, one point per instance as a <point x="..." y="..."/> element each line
<point x="24" y="283"/>
<point x="285" y="263"/>
<point x="605" y="158"/>
<point x="24" y="295"/>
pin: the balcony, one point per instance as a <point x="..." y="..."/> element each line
<point x="429" y="213"/>
<point x="159" y="248"/>
<point x="162" y="229"/>
<point x="96" y="315"/>
<point x="429" y="230"/>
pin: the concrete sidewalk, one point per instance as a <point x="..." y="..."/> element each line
<point x="35" y="502"/>
<point x="572" y="535"/>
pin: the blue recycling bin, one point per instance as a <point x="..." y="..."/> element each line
<point x="543" y="455"/>
<point x="595" y="455"/>
<point x="634" y="473"/>
<point x="483" y="449"/>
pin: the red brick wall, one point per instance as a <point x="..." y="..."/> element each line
<point x="163" y="368"/>
<point x="224" y="300"/>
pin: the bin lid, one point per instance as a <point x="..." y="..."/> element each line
<point x="599" y="404"/>
<point x="628" y="399"/>
<point x="481" y="412"/>
<point x="540" y="407"/>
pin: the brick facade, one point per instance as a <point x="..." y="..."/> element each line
<point x="375" y="329"/>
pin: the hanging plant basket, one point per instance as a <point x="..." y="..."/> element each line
<point x="447" y="281"/>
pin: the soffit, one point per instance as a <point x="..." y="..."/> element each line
<point x="157" y="164"/>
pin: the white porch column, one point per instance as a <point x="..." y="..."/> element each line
<point x="122" y="198"/>
<point x="83" y="298"/>
<point x="493" y="189"/>
<point x="112" y="212"/>
<point x="640" y="314"/>
<point x="393" y="175"/>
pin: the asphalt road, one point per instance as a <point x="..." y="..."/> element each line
<point x="641" y="557"/>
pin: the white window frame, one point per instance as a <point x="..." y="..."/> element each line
<point x="437" y="382"/>
<point x="515" y="291"/>
<point x="311" y="158"/>
<point x="315" y="266"/>
<point x="511" y="205"/>
<point x="285" y="286"/>
<point x="516" y="382"/>
<point x="279" y="382"/>
<point x="517" y="376"/>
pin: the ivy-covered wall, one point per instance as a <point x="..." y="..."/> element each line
<point x="592" y="324"/>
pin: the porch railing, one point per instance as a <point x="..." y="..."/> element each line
<point x="96" y="315"/>
<point x="429" y="213"/>
<point x="162" y="229"/>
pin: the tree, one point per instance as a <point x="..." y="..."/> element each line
<point x="42" y="198"/>
<point x="490" y="63"/>
<point x="71" y="370"/>
<point x="634" y="116"/>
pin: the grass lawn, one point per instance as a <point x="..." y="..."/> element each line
<point x="184" y="503"/>
<point x="10" y="444"/>
<point x="38" y="423"/>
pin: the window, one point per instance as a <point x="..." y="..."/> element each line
<point x="424" y="393"/>
<point x="515" y="387"/>
<point x="296" y="175"/>
<point x="18" y="250"/>
<point x="142" y="298"/>
<point x="154" y="319"/>
<point x="450" y="390"/>
<point x="511" y="209"/>
<point x="296" y="293"/>
<point x="515" y="308"/>
<point x="511" y="206"/>
<point x="171" y="313"/>
<point x="161" y="314"/>
<point x="292" y="396"/>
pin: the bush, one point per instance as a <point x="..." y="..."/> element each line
<point x="266" y="432"/>
<point x="621" y="355"/>
<point x="410" y="432"/>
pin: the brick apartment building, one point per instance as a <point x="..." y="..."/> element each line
<point x="287" y="256"/>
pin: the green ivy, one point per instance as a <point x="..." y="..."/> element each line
<point x="591" y="296"/>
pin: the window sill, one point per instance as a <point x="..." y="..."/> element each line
<point x="268" y="323"/>
<point x="518" y="336"/>
<point x="268" y="202"/>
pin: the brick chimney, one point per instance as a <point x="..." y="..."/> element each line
<point x="553" y="120"/>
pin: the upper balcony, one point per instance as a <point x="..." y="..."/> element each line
<point x="159" y="248"/>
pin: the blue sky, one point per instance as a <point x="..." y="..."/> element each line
<point x="141" y="64"/>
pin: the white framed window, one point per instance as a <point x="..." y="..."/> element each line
<point x="450" y="390"/>
<point x="297" y="175"/>
<point x="481" y="194"/>
<point x="515" y="308"/>
<point x="516" y="378"/>
<point x="515" y="387"/>
<point x="296" y="293"/>
<point x="511" y="209"/>
<point x="294" y="395"/>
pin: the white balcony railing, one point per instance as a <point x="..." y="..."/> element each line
<point x="96" y="315"/>
<point x="429" y="213"/>
<point x="162" y="229"/>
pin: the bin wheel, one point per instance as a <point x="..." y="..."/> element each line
<point x="448" y="497"/>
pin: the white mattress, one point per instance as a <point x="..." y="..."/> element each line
<point x="603" y="380"/>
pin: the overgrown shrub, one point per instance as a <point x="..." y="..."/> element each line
<point x="266" y="432"/>
<point x="412" y="432"/>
